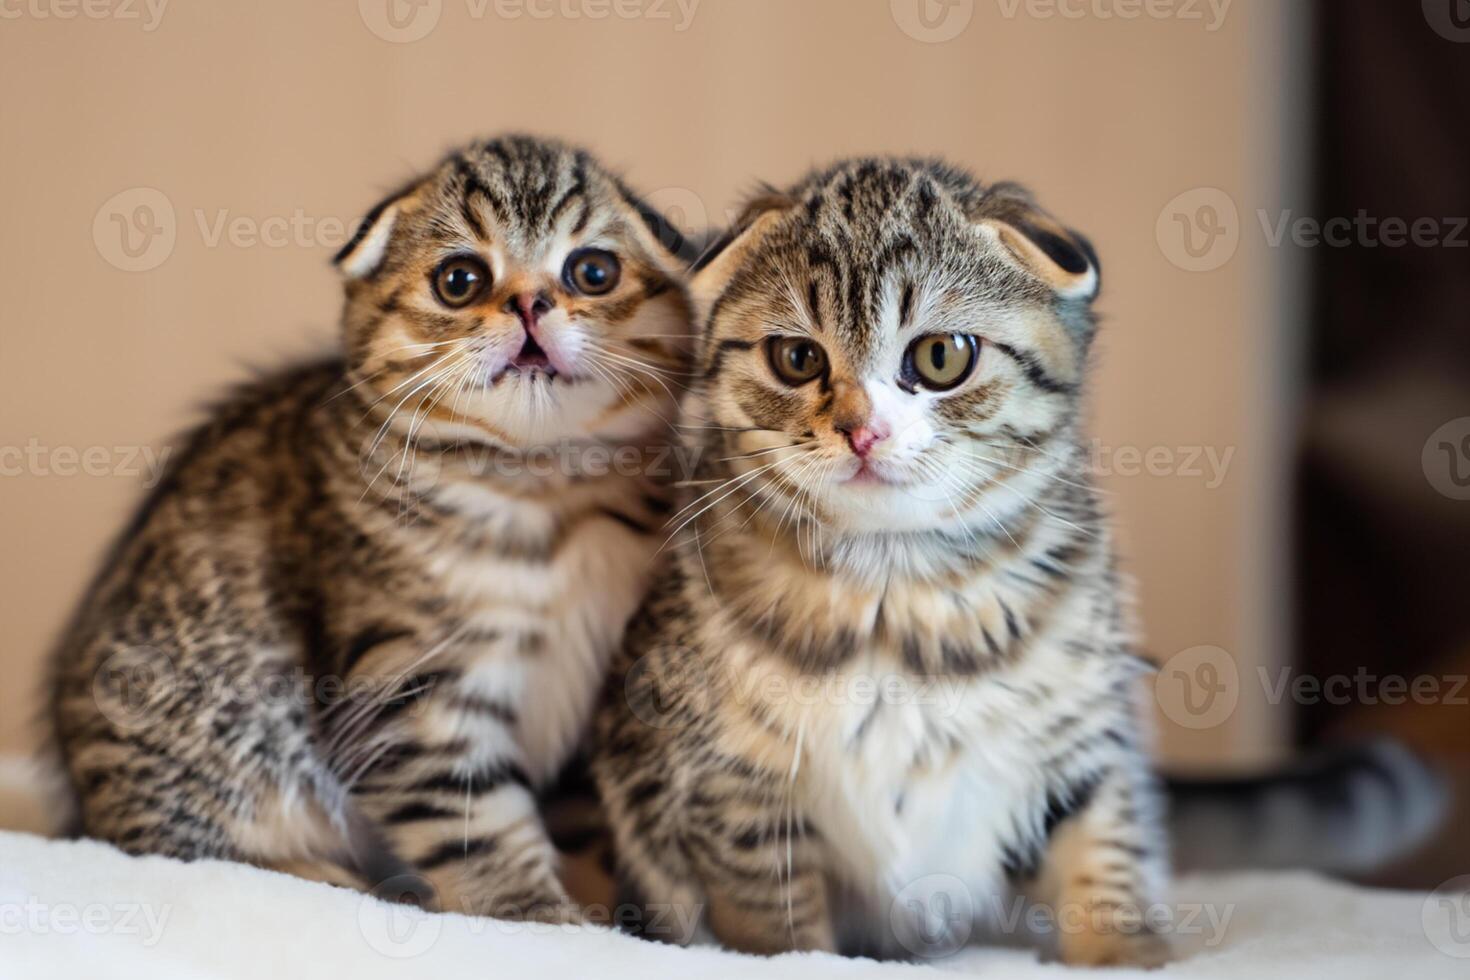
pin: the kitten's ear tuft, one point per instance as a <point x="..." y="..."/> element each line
<point x="1039" y="244"/>
<point x="713" y="270"/>
<point x="364" y="252"/>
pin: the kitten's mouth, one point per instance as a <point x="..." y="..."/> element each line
<point x="531" y="363"/>
<point x="870" y="474"/>
<point x="531" y="359"/>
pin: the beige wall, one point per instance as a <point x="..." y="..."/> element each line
<point x="280" y="108"/>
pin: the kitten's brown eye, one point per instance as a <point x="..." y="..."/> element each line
<point x="796" y="360"/>
<point x="941" y="361"/>
<point x="460" y="281"/>
<point x="592" y="272"/>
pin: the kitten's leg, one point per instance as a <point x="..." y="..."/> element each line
<point x="654" y="901"/>
<point x="178" y="752"/>
<point x="754" y="914"/>
<point x="720" y="848"/>
<point x="766" y="888"/>
<point x="658" y="894"/>
<point x="720" y="851"/>
<point x="751" y="896"/>
<point x="451" y="793"/>
<point x="574" y="820"/>
<point x="1103" y="871"/>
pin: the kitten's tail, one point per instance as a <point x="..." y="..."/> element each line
<point x="1352" y="810"/>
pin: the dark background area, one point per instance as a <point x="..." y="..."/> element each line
<point x="1382" y="585"/>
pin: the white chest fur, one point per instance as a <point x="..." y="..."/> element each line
<point x="575" y="601"/>
<point x="934" y="777"/>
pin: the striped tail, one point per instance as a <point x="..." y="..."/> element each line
<point x="1351" y="811"/>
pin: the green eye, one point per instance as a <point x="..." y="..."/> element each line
<point x="796" y="360"/>
<point x="460" y="281"/>
<point x="941" y="361"/>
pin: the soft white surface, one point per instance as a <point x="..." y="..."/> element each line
<point x="82" y="909"/>
<point x="73" y="909"/>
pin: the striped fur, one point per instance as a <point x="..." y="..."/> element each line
<point x="853" y="706"/>
<point x="357" y="629"/>
<point x="1353" y="809"/>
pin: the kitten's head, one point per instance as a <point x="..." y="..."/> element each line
<point x="518" y="293"/>
<point x="915" y="341"/>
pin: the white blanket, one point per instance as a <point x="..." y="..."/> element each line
<point x="71" y="909"/>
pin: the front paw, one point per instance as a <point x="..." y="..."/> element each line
<point x="540" y="905"/>
<point x="562" y="913"/>
<point x="546" y="903"/>
<point x="1143" y="950"/>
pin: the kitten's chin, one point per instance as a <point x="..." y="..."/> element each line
<point x="870" y="504"/>
<point x="533" y="410"/>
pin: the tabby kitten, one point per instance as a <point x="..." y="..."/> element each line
<point x="888" y="679"/>
<point x="364" y="618"/>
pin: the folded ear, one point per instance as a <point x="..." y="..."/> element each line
<point x="658" y="236"/>
<point x="1037" y="243"/>
<point x="364" y="252"/>
<point x="714" y="269"/>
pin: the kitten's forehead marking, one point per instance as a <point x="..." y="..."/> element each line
<point x="859" y="241"/>
<point x="527" y="191"/>
<point x="880" y="252"/>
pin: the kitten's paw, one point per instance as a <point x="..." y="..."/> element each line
<point x="524" y="905"/>
<point x="563" y="913"/>
<point x="554" y="907"/>
<point x="1143" y="950"/>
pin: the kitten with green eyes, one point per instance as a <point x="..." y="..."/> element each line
<point x="361" y="623"/>
<point x="888" y="678"/>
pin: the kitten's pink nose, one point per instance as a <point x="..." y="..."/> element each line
<point x="528" y="307"/>
<point x="863" y="438"/>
